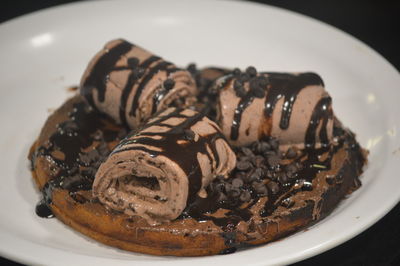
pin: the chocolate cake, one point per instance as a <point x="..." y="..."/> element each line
<point x="162" y="160"/>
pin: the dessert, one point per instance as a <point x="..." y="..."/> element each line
<point x="183" y="175"/>
<point x="146" y="176"/>
<point x="130" y="84"/>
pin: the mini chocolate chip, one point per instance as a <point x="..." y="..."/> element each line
<point x="258" y="92"/>
<point x="245" y="196"/>
<point x="237" y="182"/>
<point x="258" y="161"/>
<point x="274" y="144"/>
<point x="262" y="82"/>
<point x="291" y="153"/>
<point x="240" y="93"/>
<point x="258" y="173"/>
<point x="189" y="134"/>
<point x="260" y="188"/>
<point x="273" y="161"/>
<point x="236" y="72"/>
<point x="233" y="193"/>
<point x="244" y="77"/>
<point x="243" y="165"/>
<point x="169" y="84"/>
<point x="240" y="175"/>
<point x="237" y="85"/>
<point x="262" y="147"/>
<point x="251" y="71"/>
<point x="287" y="203"/>
<point x="133" y="62"/>
<point x="291" y="168"/>
<point x="247" y="151"/>
<point x="282" y="178"/>
<point x="138" y="72"/>
<point x="217" y="187"/>
<point x="221" y="197"/>
<point x="273" y="186"/>
<point x="192" y="68"/>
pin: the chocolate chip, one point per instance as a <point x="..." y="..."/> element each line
<point x="258" y="161"/>
<point x="291" y="153"/>
<point x="241" y="93"/>
<point x="169" y="84"/>
<point x="251" y="71"/>
<point x="245" y="196"/>
<point x="192" y="68"/>
<point x="274" y="144"/>
<point x="133" y="62"/>
<point x="189" y="134"/>
<point x="240" y="175"/>
<point x="236" y="72"/>
<point x="237" y="182"/>
<point x="273" y="186"/>
<point x="260" y="188"/>
<point x="291" y="168"/>
<point x="237" y="85"/>
<point x="244" y="77"/>
<point x="138" y="72"/>
<point x="246" y="151"/>
<point x="262" y="82"/>
<point x="258" y="173"/>
<point x="221" y="197"/>
<point x="262" y="147"/>
<point x="233" y="193"/>
<point x="243" y="165"/>
<point x="282" y="178"/>
<point x="258" y="92"/>
<point x="273" y="161"/>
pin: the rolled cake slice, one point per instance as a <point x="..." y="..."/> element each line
<point x="156" y="172"/>
<point x="130" y="84"/>
<point x="294" y="108"/>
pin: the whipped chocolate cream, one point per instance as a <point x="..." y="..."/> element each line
<point x="294" y="108"/>
<point x="130" y="84"/>
<point x="157" y="171"/>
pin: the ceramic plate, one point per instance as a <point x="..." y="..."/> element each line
<point x="44" y="53"/>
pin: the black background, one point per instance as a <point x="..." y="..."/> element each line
<point x="377" y="24"/>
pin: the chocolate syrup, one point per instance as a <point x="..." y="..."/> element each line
<point x="287" y="86"/>
<point x="101" y="70"/>
<point x="75" y="171"/>
<point x="168" y="145"/>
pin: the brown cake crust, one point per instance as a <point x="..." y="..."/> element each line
<point x="187" y="236"/>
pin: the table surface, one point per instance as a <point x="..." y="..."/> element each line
<point x="373" y="22"/>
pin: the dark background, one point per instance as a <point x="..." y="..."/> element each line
<point x="377" y="24"/>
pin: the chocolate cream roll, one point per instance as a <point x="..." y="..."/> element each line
<point x="294" y="108"/>
<point x="156" y="172"/>
<point x="130" y="84"/>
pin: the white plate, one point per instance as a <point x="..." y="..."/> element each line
<point x="44" y="53"/>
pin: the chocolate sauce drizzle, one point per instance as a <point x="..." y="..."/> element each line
<point x="101" y="70"/>
<point x="139" y="76"/>
<point x="279" y="85"/>
<point x="168" y="145"/>
<point x="287" y="86"/>
<point x="76" y="169"/>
